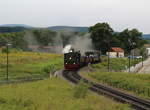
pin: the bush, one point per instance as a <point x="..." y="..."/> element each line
<point x="49" y="69"/>
<point x="81" y="90"/>
<point x="11" y="50"/>
<point x="4" y="50"/>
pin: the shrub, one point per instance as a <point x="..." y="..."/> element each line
<point x="81" y="90"/>
<point x="49" y="69"/>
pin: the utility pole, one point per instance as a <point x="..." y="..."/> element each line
<point x="129" y="59"/>
<point x="142" y="60"/>
<point x="7" y="46"/>
<point x="7" y="63"/>
<point x="131" y="46"/>
<point x="108" y="58"/>
<point x="129" y="40"/>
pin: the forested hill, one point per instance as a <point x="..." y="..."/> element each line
<point x="16" y="25"/>
<point x="69" y="28"/>
<point x="18" y="28"/>
<point x="12" y="29"/>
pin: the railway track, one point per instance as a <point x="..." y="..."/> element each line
<point x="135" y="102"/>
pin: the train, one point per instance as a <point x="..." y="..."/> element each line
<point x="73" y="60"/>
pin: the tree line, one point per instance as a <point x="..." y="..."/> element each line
<point x="40" y="37"/>
<point x="104" y="37"/>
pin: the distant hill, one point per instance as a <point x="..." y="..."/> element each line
<point x="6" y="28"/>
<point x="16" y="25"/>
<point x="12" y="29"/>
<point x="69" y="28"/>
<point x="146" y="36"/>
<point x="20" y="27"/>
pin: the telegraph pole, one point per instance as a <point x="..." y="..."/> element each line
<point x="7" y="63"/>
<point x="129" y="59"/>
<point x="108" y="57"/>
<point x="131" y="46"/>
<point x="7" y="68"/>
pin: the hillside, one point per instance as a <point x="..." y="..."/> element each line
<point x="69" y="28"/>
<point x="21" y="27"/>
<point x="16" y="25"/>
<point x="146" y="36"/>
<point x="12" y="29"/>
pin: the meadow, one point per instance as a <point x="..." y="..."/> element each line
<point x="52" y="94"/>
<point x="26" y="65"/>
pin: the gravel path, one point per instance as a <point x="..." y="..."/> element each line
<point x="146" y="67"/>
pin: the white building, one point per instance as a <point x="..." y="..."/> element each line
<point x="116" y="52"/>
<point x="148" y="51"/>
<point x="147" y="46"/>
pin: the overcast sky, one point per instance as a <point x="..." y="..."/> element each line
<point x="120" y="14"/>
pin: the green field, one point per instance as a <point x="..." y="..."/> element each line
<point x="52" y="94"/>
<point x="29" y="64"/>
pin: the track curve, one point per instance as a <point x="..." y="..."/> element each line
<point x="136" y="102"/>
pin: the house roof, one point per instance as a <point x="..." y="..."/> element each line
<point x="116" y="49"/>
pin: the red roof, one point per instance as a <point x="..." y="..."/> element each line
<point x="117" y="49"/>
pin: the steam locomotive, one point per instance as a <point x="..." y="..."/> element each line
<point x="73" y="60"/>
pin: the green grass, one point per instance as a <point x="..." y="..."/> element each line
<point x="116" y="64"/>
<point x="138" y="84"/>
<point x="29" y="64"/>
<point x="52" y="94"/>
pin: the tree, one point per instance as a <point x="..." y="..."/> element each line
<point x="16" y="39"/>
<point x="44" y="36"/>
<point x="131" y="39"/>
<point x="101" y="35"/>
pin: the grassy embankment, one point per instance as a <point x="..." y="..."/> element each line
<point x="138" y="84"/>
<point x="29" y="65"/>
<point x="48" y="94"/>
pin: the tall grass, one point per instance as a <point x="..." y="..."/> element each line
<point x="81" y="90"/>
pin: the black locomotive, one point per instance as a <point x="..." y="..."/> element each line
<point x="74" y="60"/>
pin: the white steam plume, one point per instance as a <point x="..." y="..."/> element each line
<point x="31" y="40"/>
<point x="67" y="49"/>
